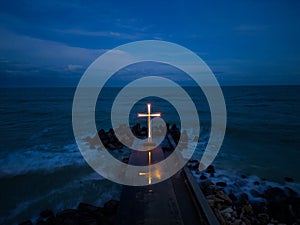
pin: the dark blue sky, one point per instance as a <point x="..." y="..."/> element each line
<point x="51" y="43"/>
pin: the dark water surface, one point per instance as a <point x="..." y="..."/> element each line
<point x="41" y="166"/>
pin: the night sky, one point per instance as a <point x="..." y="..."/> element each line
<point x="51" y="43"/>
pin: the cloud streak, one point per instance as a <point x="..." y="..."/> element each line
<point x="109" y="34"/>
<point x="251" y="28"/>
<point x="63" y="37"/>
<point x="43" y="52"/>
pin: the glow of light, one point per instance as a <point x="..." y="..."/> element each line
<point x="149" y="172"/>
<point x="157" y="174"/>
<point x="149" y="108"/>
<point x="149" y="158"/>
<point x="149" y="115"/>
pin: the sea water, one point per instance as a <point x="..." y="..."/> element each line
<point x="41" y="166"/>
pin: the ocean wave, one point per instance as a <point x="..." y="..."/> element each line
<point x="72" y="193"/>
<point x="239" y="183"/>
<point x="44" y="157"/>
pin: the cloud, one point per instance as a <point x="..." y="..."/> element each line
<point x="251" y="28"/>
<point x="43" y="52"/>
<point x="72" y="67"/>
<point x="110" y="34"/>
<point x="28" y="61"/>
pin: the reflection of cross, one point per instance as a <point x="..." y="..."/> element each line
<point x="149" y="121"/>
<point x="149" y="172"/>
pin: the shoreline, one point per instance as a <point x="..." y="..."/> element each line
<point x="273" y="205"/>
<point x="235" y="199"/>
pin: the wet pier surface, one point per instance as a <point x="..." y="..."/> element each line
<point x="177" y="200"/>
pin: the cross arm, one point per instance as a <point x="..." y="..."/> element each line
<point x="142" y="115"/>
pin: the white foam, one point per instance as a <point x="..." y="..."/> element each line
<point x="41" y="157"/>
<point x="237" y="184"/>
<point x="64" y="198"/>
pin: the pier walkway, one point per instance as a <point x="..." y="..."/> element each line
<point x="175" y="201"/>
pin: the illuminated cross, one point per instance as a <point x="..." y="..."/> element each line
<point x="149" y="115"/>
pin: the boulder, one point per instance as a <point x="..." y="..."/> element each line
<point x="247" y="221"/>
<point x="210" y="169"/>
<point x="227" y="210"/>
<point x="220" y="217"/>
<point x="211" y="202"/>
<point x="290" y="192"/>
<point x="278" y="205"/>
<point x="193" y="164"/>
<point x="27" y="222"/>
<point x="47" y="214"/>
<point x="87" y="208"/>
<point x="224" y="197"/>
<point x="247" y="209"/>
<point x="221" y="184"/>
<point x="168" y="126"/>
<point x="91" y="142"/>
<point x="207" y="184"/>
<point x="125" y="160"/>
<point x="167" y="149"/>
<point x="211" y="197"/>
<point x="237" y="222"/>
<point x="209" y="188"/>
<point x="295" y="208"/>
<point x="136" y="129"/>
<point x="47" y="217"/>
<point x="184" y="136"/>
<point x="42" y="222"/>
<point x="102" y="135"/>
<point x="196" y="139"/>
<point x="232" y="197"/>
<point x="256" y="183"/>
<point x="143" y="132"/>
<point x="203" y="177"/>
<point x="175" y="132"/>
<point x="259" y="207"/>
<point x="67" y="217"/>
<point x="255" y="193"/>
<point x="243" y="198"/>
<point x="275" y="194"/>
<point x="110" y="211"/>
<point x="111" y="207"/>
<point x="174" y="127"/>
<point x="263" y="218"/>
<point x="227" y="216"/>
<point x="288" y="179"/>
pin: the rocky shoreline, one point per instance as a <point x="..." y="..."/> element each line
<point x="277" y="205"/>
<point x="85" y="214"/>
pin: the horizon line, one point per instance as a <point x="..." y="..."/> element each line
<point x="114" y="86"/>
